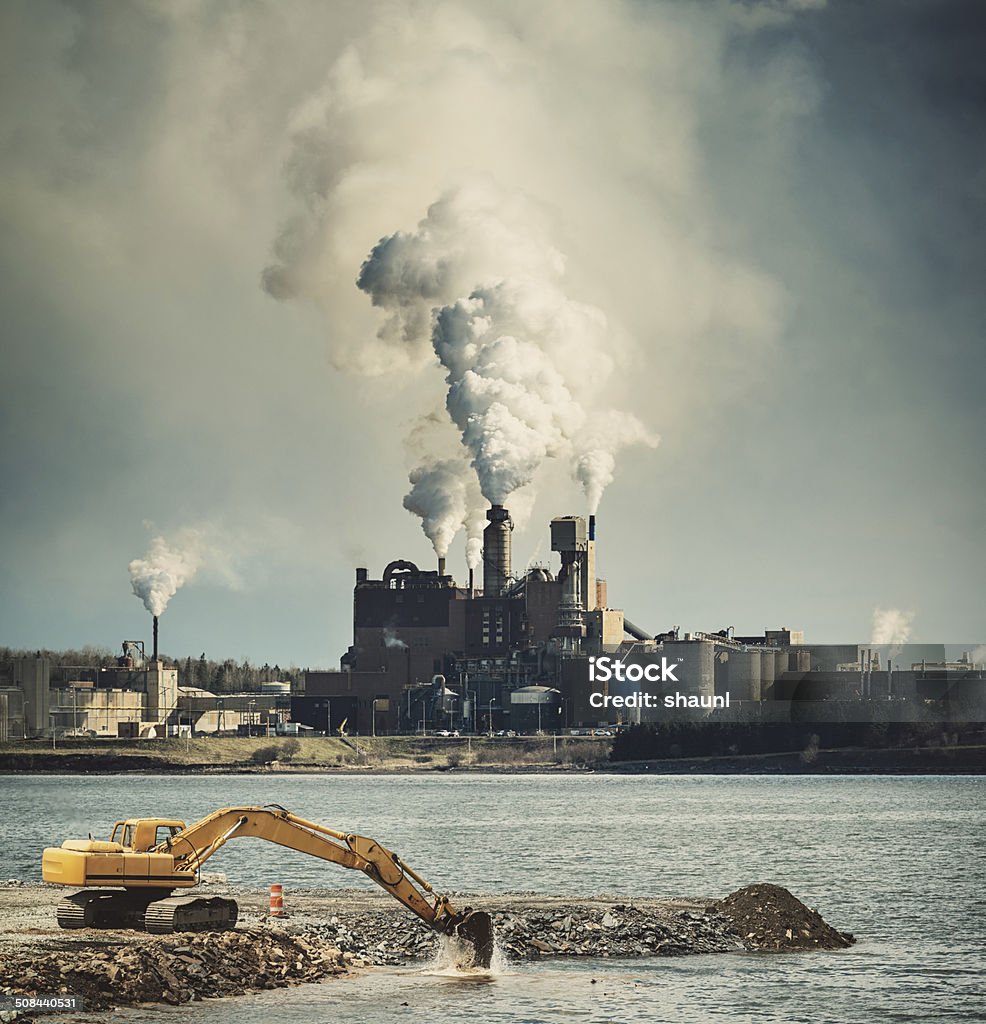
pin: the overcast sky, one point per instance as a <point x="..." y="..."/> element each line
<point x="777" y="208"/>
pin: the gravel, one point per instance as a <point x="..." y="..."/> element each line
<point x="327" y="934"/>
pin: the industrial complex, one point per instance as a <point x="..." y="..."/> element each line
<point x="512" y="651"/>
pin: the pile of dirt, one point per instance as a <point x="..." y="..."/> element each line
<point x="768" y="917"/>
<point x="176" y="969"/>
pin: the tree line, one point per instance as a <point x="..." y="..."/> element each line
<point x="225" y="676"/>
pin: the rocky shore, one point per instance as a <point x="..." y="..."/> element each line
<point x="123" y="971"/>
<point x="758" y="918"/>
<point x="328" y="934"/>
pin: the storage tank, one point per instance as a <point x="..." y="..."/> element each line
<point x="694" y="665"/>
<point x="744" y="674"/>
<point x="799" y="659"/>
<point x="768" y="672"/>
<point x="722" y="671"/>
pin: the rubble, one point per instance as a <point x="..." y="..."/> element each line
<point x="328" y="934"/>
<point x="123" y="970"/>
<point x="757" y="918"/>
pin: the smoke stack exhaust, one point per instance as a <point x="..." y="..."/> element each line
<point x="496" y="551"/>
<point x="154" y="648"/>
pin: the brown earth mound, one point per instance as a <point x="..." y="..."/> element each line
<point x="768" y="917"/>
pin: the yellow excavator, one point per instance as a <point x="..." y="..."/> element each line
<point x="146" y="859"/>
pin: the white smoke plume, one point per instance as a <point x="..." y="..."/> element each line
<point x="444" y="488"/>
<point x="891" y="627"/>
<point x="393" y="641"/>
<point x="440" y="494"/>
<point x="173" y="561"/>
<point x="539" y="192"/>
<point x="522" y="360"/>
<point x="166" y="567"/>
<point x="475" y="524"/>
<point x="597" y="447"/>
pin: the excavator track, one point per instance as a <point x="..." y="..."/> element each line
<point x="78" y="910"/>
<point x="190" y="914"/>
<point x="106" y="908"/>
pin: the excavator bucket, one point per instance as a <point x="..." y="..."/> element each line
<point x="476" y="928"/>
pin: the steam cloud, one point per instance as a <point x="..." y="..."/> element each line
<point x="171" y="563"/>
<point x="541" y="195"/>
<point x="157" y="577"/>
<point x="605" y="435"/>
<point x="524" y="363"/>
<point x="392" y="640"/>
<point x="891" y="627"/>
<point x="440" y="495"/>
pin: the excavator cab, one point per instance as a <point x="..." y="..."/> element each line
<point x="140" y="835"/>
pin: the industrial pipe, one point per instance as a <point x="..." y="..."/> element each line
<point x="635" y="631"/>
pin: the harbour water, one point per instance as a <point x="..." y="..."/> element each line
<point x="899" y="861"/>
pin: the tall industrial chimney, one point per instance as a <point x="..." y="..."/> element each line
<point x="441" y="566"/>
<point x="154" y="658"/>
<point x="496" y="551"/>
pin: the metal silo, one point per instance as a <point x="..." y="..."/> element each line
<point x="744" y="674"/>
<point x="768" y="672"/>
<point x="800" y="659"/>
<point x="693" y="662"/>
<point x="722" y="671"/>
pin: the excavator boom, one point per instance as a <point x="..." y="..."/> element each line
<point x="150" y="872"/>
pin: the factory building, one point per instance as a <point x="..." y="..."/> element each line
<point x="517" y="652"/>
<point x="136" y="698"/>
<point x="430" y="654"/>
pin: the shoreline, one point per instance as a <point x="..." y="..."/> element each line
<point x="953" y="760"/>
<point x="330" y="933"/>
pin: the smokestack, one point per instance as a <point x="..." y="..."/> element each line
<point x="472" y="580"/>
<point x="441" y="566"/>
<point x="154" y="656"/>
<point x="592" y="527"/>
<point x="496" y="551"/>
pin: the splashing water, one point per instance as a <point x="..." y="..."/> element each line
<point x="454" y="959"/>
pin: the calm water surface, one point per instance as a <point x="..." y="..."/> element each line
<point x="901" y="862"/>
